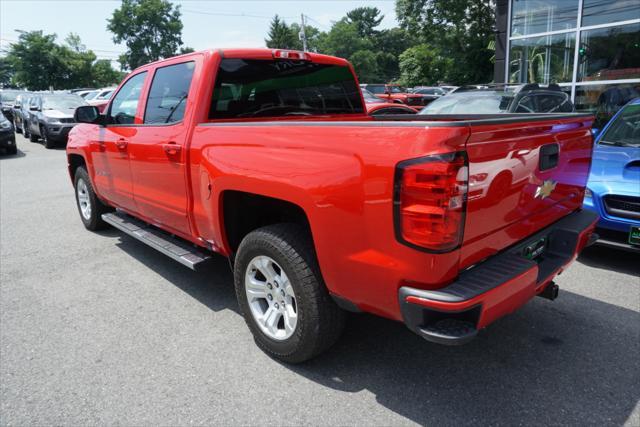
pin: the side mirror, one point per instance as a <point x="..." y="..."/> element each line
<point x="87" y="114"/>
<point x="595" y="132"/>
<point x="33" y="108"/>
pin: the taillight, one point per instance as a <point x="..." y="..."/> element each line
<point x="430" y="198"/>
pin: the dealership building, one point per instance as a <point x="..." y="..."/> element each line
<point x="591" y="48"/>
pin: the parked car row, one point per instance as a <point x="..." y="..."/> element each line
<point x="41" y="116"/>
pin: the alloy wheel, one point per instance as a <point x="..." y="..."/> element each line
<point x="271" y="298"/>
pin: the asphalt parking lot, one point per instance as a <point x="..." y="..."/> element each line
<point x="99" y="329"/>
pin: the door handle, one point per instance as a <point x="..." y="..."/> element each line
<point x="122" y="143"/>
<point x="172" y="148"/>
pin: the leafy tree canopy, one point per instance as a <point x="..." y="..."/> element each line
<point x="460" y="29"/>
<point x="151" y="30"/>
<point x="38" y="62"/>
<point x="365" y="19"/>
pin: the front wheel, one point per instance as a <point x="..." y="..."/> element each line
<point x="28" y="134"/>
<point x="282" y="296"/>
<point x="46" y="140"/>
<point x="89" y="206"/>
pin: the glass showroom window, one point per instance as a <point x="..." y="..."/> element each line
<point x="596" y="12"/>
<point x="542" y="16"/>
<point x="543" y="59"/>
<point x="610" y="53"/>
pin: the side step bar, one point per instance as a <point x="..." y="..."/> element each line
<point x="175" y="248"/>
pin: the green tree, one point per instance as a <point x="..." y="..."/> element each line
<point x="7" y="72"/>
<point x="460" y="29"/>
<point x="77" y="63"/>
<point x="365" y="19"/>
<point x="103" y="74"/>
<point x="35" y="61"/>
<point x="281" y="36"/>
<point x="423" y="64"/>
<point x="151" y="30"/>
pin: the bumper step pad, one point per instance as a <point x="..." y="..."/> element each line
<point x="184" y="252"/>
<point x="449" y="332"/>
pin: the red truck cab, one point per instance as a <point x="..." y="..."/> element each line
<point x="268" y="157"/>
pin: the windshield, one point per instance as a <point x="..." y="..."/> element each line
<point x="8" y="96"/>
<point x="625" y="130"/>
<point x="376" y="89"/>
<point x="396" y="89"/>
<point x="431" y="91"/>
<point x="90" y="95"/>
<point x="370" y="98"/>
<point x="62" y="102"/>
<point x="488" y="102"/>
<point x="275" y="88"/>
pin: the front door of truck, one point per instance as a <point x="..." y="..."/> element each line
<point x="159" y="151"/>
<point x="110" y="144"/>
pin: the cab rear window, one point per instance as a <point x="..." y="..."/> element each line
<point x="263" y="88"/>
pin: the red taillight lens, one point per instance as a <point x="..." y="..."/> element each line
<point x="430" y="200"/>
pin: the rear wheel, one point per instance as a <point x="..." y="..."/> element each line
<point x="13" y="149"/>
<point x="89" y="206"/>
<point x="282" y="296"/>
<point x="15" y="126"/>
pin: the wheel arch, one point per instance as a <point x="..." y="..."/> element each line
<point x="242" y="212"/>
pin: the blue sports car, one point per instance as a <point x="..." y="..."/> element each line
<point x="613" y="190"/>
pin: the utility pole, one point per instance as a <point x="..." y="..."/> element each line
<point x="303" y="35"/>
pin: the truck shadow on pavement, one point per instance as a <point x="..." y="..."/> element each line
<point x="571" y="361"/>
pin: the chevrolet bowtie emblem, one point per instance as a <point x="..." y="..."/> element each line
<point x="543" y="191"/>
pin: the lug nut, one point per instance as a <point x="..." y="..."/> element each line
<point x="276" y="305"/>
<point x="270" y="297"/>
<point x="269" y="286"/>
<point x="282" y="292"/>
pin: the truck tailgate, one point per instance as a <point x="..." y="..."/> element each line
<point x="523" y="176"/>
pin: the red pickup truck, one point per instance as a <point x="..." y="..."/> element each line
<point x="267" y="157"/>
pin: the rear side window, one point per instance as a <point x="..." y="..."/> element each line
<point x="168" y="94"/>
<point x="125" y="103"/>
<point x="264" y="88"/>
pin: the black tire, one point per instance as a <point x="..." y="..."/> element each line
<point x="320" y="321"/>
<point x="93" y="221"/>
<point x="13" y="149"/>
<point x="46" y="140"/>
<point x="15" y="126"/>
<point x="32" y="137"/>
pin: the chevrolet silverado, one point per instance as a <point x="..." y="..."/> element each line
<point x="445" y="223"/>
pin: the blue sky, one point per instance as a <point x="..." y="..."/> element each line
<point x="202" y="28"/>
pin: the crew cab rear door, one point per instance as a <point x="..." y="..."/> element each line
<point x="158" y="153"/>
<point x="523" y="176"/>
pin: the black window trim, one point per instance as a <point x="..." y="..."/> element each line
<point x="155" y="71"/>
<point x="122" y="85"/>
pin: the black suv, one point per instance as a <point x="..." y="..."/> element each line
<point x="494" y="99"/>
